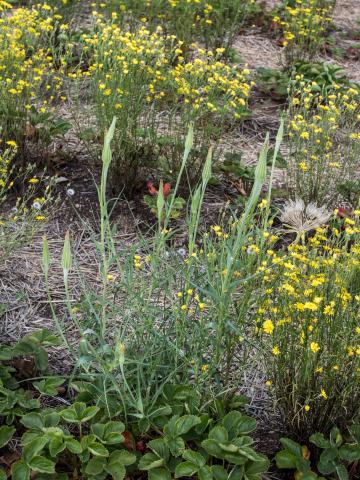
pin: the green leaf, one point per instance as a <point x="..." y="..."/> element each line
<point x="205" y="473"/>
<point x="122" y="456"/>
<point x="319" y="440"/>
<point x="42" y="464"/>
<point x="186" y="423"/>
<point x="6" y="434"/>
<point x="95" y="466"/>
<point x="285" y="459"/>
<point x="350" y="453"/>
<point x="194" y="457"/>
<point x="49" y="386"/>
<point x="238" y="424"/>
<point x="56" y="445"/>
<point x="176" y="445"/>
<point x="219" y="434"/>
<point x="185" y="469"/>
<point x="33" y="449"/>
<point x="3" y="475"/>
<point x="32" y="420"/>
<point x="98" y="449"/>
<point x="150" y="461"/>
<point x="20" y="471"/>
<point x="212" y="448"/>
<point x="73" y="446"/>
<point x="219" y="472"/>
<point x="41" y="359"/>
<point x="292" y="447"/>
<point x="116" y="470"/>
<point x="342" y="472"/>
<point x="89" y="413"/>
<point x="160" y="447"/>
<point x="159" y="474"/>
<point x="260" y="466"/>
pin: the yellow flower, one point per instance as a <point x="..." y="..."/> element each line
<point x="34" y="180"/>
<point x="323" y="394"/>
<point x="275" y="351"/>
<point x="268" y="327"/>
<point x="307" y="408"/>
<point x="314" y="347"/>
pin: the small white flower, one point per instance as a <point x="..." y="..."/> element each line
<point x="70" y="192"/>
<point x="37" y="205"/>
<point x="182" y="252"/>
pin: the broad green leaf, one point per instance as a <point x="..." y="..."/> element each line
<point x="219" y="434"/>
<point x="73" y="446"/>
<point x="260" y="466"/>
<point x="159" y="474"/>
<point x="6" y="434"/>
<point x="319" y="440"/>
<point x="185" y="423"/>
<point x="219" y="472"/>
<point x="42" y="464"/>
<point x="292" y="447"/>
<point x="160" y="447"/>
<point x="212" y="448"/>
<point x="194" y="457"/>
<point x="33" y="449"/>
<point x="98" y="449"/>
<point x="285" y="459"/>
<point x="116" y="470"/>
<point x="20" y="471"/>
<point x="176" y="445"/>
<point x="350" y="453"/>
<point x="150" y="461"/>
<point x="185" y="469"/>
<point x="122" y="456"/>
<point x="32" y="420"/>
<point x="56" y="445"/>
<point x="205" y="473"/>
<point x="95" y="466"/>
<point x="342" y="472"/>
<point x="49" y="386"/>
<point x="41" y="359"/>
<point x="238" y="424"/>
<point x="89" y="413"/>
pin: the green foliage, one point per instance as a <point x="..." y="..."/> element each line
<point x="337" y="457"/>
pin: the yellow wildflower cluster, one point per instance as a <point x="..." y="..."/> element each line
<point x="209" y="85"/>
<point x="303" y="26"/>
<point x="213" y="22"/>
<point x="309" y="321"/>
<point x="137" y="75"/>
<point x="323" y="141"/>
<point x="28" y="81"/>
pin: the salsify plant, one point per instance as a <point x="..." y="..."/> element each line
<point x="323" y="139"/>
<point x="308" y="323"/>
<point x="161" y="315"/>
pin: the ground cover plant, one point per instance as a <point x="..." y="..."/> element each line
<point x="179" y="240"/>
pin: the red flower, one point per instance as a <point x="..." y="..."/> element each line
<point x="151" y="189"/>
<point x="166" y="190"/>
<point x="153" y="192"/>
